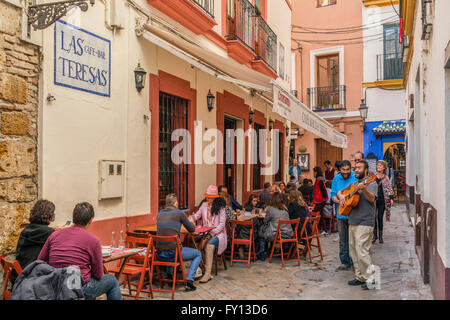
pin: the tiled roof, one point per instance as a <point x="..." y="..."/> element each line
<point x="390" y="127"/>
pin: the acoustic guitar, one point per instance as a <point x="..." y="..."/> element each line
<point x="352" y="197"/>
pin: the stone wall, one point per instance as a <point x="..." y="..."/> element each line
<point x="19" y="72"/>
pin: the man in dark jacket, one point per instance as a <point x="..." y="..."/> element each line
<point x="264" y="197"/>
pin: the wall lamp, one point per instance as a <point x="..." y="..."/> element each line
<point x="210" y="101"/>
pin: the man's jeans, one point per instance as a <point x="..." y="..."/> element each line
<point x="344" y="253"/>
<point x="187" y="254"/>
<point x="107" y="284"/>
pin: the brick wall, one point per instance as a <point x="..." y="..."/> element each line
<point x="19" y="73"/>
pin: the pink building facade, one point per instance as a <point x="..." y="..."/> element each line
<point x="328" y="63"/>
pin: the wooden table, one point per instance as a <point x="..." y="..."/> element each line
<point x="124" y="256"/>
<point x="243" y="217"/>
<point x="151" y="229"/>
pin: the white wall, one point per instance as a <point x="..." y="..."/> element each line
<point x="383" y="104"/>
<point x="81" y="128"/>
<point x="428" y="60"/>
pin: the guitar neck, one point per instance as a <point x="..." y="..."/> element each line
<point x="365" y="181"/>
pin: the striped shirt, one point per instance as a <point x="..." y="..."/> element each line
<point x="169" y="224"/>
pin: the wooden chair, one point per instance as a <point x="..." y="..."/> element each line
<point x="8" y="266"/>
<point x="178" y="262"/>
<point x="236" y="241"/>
<point x="140" y="268"/>
<point x="227" y="251"/>
<point x="314" y="235"/>
<point x="293" y="241"/>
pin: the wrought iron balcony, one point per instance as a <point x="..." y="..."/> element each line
<point x="207" y="6"/>
<point x="266" y="43"/>
<point x="327" y="98"/>
<point x="241" y="22"/>
<point x="390" y="66"/>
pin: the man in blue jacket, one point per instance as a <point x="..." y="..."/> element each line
<point x="340" y="181"/>
<point x="233" y="202"/>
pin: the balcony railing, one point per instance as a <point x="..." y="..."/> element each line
<point x="207" y="6"/>
<point x="390" y="66"/>
<point x="266" y="43"/>
<point x="327" y="98"/>
<point x="241" y="22"/>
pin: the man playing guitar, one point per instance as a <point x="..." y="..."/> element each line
<point x="361" y="223"/>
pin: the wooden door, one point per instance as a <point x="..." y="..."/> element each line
<point x="325" y="151"/>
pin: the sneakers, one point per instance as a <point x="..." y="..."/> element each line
<point x="343" y="267"/>
<point x="355" y="282"/>
<point x="261" y="256"/>
<point x="189" y="286"/>
<point x="324" y="233"/>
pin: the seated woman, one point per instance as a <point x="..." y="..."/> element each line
<point x="298" y="209"/>
<point x="229" y="213"/>
<point x="276" y="210"/>
<point x="282" y="187"/>
<point x="33" y="237"/>
<point x="212" y="213"/>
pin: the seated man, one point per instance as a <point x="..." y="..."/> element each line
<point x="169" y="223"/>
<point x="76" y="246"/>
<point x="233" y="202"/>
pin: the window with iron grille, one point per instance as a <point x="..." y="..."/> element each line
<point x="173" y="178"/>
<point x="257" y="166"/>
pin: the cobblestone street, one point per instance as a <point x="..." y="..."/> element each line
<point x="400" y="273"/>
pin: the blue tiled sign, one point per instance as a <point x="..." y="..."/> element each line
<point x="82" y="60"/>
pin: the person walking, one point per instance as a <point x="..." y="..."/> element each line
<point x="385" y="200"/>
<point x="340" y="182"/>
<point x="329" y="171"/>
<point x="296" y="171"/>
<point x="320" y="196"/>
<point x="361" y="224"/>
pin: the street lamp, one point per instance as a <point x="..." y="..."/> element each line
<point x="363" y="109"/>
<point x="139" y="77"/>
<point x="270" y="124"/>
<point x="250" y="116"/>
<point x="210" y="100"/>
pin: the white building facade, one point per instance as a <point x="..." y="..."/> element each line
<point x="427" y="80"/>
<point x="384" y="131"/>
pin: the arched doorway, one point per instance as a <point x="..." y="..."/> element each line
<point x="394" y="153"/>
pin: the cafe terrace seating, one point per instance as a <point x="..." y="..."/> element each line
<point x="136" y="269"/>
<point x="178" y="262"/>
<point x="236" y="241"/>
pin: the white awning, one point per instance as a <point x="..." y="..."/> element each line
<point x="198" y="63"/>
<point x="289" y="107"/>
